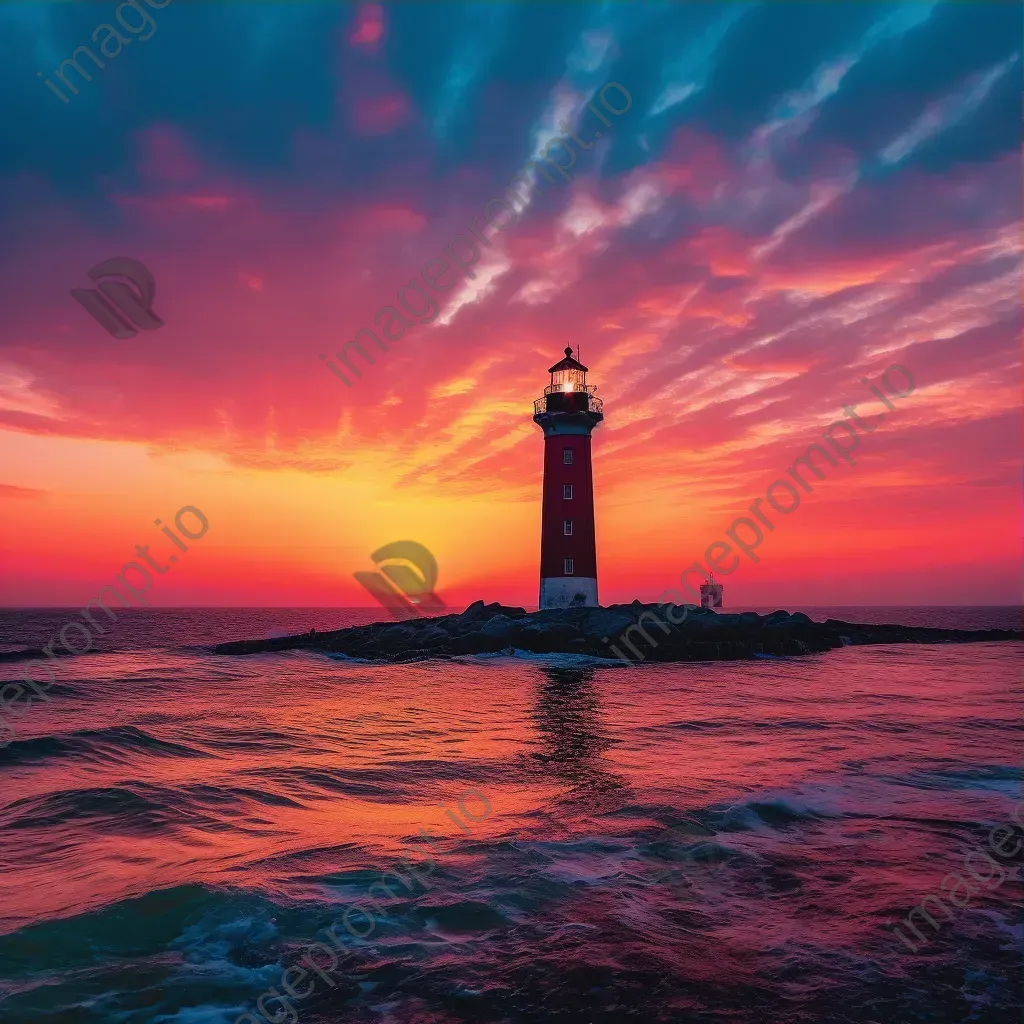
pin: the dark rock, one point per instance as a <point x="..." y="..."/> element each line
<point x="704" y="624"/>
<point x="546" y="638"/>
<point x="432" y="636"/>
<point x="396" y="636"/>
<point x="604" y="624"/>
<point x="473" y="612"/>
<point x="500" y="627"/>
<point x="536" y="637"/>
<point x="642" y="632"/>
<point x="480" y="644"/>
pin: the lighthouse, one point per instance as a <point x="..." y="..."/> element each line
<point x="568" y="413"/>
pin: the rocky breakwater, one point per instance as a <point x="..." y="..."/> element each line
<point x="638" y="632"/>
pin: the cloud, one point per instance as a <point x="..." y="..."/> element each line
<point x="772" y="238"/>
<point x="947" y="112"/>
<point x="690" y="73"/>
<point x="367" y="27"/>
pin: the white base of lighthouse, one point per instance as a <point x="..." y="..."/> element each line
<point x="568" y="592"/>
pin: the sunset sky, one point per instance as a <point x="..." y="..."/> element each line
<point x="799" y="196"/>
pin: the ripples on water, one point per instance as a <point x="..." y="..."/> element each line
<point x="696" y="842"/>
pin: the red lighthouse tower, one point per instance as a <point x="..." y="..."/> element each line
<point x="567" y="414"/>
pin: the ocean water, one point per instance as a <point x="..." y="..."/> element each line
<point x="728" y="841"/>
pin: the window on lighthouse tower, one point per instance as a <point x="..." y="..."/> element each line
<point x="567" y="491"/>
<point x="567" y="456"/>
<point x="567" y="527"/>
<point x="568" y="567"/>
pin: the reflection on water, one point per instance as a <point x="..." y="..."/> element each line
<point x="569" y="721"/>
<point x="673" y="843"/>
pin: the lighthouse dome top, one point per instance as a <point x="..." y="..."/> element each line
<point x="568" y="363"/>
<point x="568" y="403"/>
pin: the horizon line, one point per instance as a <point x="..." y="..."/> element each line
<point x="364" y="607"/>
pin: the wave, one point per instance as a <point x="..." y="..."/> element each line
<point x="399" y="783"/>
<point x="555" y="658"/>
<point x="28" y="653"/>
<point x="121" y="743"/>
<point x="233" y="740"/>
<point x="114" y="808"/>
<point x="227" y="934"/>
<point x="144" y="809"/>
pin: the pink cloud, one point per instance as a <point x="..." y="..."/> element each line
<point x="714" y="366"/>
<point x="392" y="217"/>
<point x="368" y="27"/>
<point x="378" y="115"/>
<point x="170" y="204"/>
<point x="696" y="164"/>
<point x="251" y="281"/>
<point x="164" y="155"/>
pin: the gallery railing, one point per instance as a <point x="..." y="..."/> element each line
<point x="555" y="401"/>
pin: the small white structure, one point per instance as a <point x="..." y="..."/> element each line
<point x="711" y="593"/>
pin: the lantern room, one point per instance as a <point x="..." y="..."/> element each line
<point x="568" y="393"/>
<point x="569" y="374"/>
